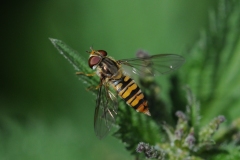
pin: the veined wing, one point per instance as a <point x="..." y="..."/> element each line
<point x="105" y="111"/>
<point x="154" y="65"/>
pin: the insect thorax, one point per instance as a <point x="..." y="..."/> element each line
<point x="109" y="69"/>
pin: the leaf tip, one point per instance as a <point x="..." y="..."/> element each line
<point x="52" y="40"/>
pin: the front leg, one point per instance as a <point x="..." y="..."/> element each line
<point x="89" y="75"/>
<point x="85" y="74"/>
<point x="94" y="87"/>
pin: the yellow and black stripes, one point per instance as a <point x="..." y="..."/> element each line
<point x="131" y="93"/>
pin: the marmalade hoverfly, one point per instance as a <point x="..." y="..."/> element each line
<point x="112" y="75"/>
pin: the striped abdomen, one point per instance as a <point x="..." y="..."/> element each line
<point x="129" y="91"/>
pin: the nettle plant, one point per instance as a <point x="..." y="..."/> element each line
<point x="207" y="85"/>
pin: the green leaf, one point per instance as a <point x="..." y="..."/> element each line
<point x="212" y="68"/>
<point x="76" y="61"/>
<point x="212" y="74"/>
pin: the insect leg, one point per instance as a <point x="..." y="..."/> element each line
<point x="85" y="74"/>
<point x="93" y="87"/>
<point x="90" y="75"/>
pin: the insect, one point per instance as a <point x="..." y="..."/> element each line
<point x="114" y="82"/>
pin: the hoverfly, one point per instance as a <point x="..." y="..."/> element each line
<point x="112" y="75"/>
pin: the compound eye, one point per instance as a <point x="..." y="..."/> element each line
<point x="94" y="60"/>
<point x="103" y="53"/>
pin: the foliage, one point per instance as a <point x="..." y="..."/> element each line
<point x="212" y="77"/>
<point x="73" y="57"/>
<point x="212" y="68"/>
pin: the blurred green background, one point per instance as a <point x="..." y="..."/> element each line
<point x="45" y="111"/>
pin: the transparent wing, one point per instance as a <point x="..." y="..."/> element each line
<point x="105" y="111"/>
<point x="153" y="65"/>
